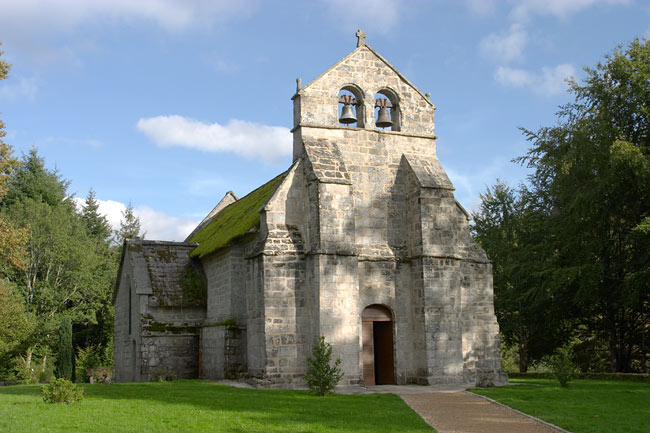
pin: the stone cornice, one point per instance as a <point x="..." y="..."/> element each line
<point x="348" y="128"/>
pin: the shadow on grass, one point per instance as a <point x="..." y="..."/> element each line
<point x="295" y="410"/>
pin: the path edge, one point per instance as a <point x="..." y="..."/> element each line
<point x="519" y="412"/>
<point x="418" y="413"/>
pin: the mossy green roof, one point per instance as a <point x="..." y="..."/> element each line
<point x="234" y="220"/>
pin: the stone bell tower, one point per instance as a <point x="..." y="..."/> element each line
<point x="384" y="238"/>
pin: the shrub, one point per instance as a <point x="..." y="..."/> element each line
<point x="88" y="358"/>
<point x="100" y="374"/>
<point x="562" y="366"/>
<point x="322" y="377"/>
<point x="65" y="357"/>
<point x="62" y="391"/>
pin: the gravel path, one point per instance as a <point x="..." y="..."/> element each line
<point x="463" y="412"/>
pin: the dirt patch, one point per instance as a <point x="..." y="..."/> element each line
<point x="462" y="412"/>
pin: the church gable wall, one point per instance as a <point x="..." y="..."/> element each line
<point x="317" y="103"/>
<point x="123" y="337"/>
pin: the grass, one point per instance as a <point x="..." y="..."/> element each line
<point x="586" y="406"/>
<point x="195" y="406"/>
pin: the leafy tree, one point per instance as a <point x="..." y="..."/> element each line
<point x="65" y="356"/>
<point x="7" y="162"/>
<point x="129" y="226"/>
<point x="96" y="223"/>
<point x="510" y="227"/>
<point x="321" y="376"/>
<point x="68" y="271"/>
<point x="12" y="240"/>
<point x="592" y="173"/>
<point x="16" y="326"/>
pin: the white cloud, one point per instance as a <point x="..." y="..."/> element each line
<point x="481" y="7"/>
<point x="34" y="27"/>
<point x="160" y="226"/>
<point x="248" y="139"/>
<point x="550" y="81"/>
<point x="375" y="16"/>
<point x="524" y="9"/>
<point x="505" y="47"/>
<point x="19" y="88"/>
<point x="157" y="224"/>
<point x="67" y="15"/>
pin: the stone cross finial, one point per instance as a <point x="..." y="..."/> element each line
<point x="361" y="38"/>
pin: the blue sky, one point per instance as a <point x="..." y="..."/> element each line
<point x="170" y="104"/>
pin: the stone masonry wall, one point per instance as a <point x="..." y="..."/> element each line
<point x="381" y="201"/>
<point x="123" y="352"/>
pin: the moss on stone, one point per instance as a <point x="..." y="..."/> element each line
<point x="234" y="220"/>
<point x="195" y="291"/>
<point x="160" y="327"/>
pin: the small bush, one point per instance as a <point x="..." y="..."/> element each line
<point x="87" y="359"/>
<point x="322" y="377"/>
<point x="562" y="366"/>
<point x="100" y="374"/>
<point x="62" y="391"/>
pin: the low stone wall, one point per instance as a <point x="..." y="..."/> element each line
<point x="223" y="352"/>
<point x="177" y="353"/>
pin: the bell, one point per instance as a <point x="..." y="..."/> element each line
<point x="383" y="119"/>
<point x="347" y="115"/>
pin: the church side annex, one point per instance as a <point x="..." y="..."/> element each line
<point x="361" y="240"/>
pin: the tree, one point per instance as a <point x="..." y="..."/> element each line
<point x="129" y="226"/>
<point x="12" y="240"/>
<point x="592" y="172"/>
<point x="16" y="325"/>
<point x="7" y="162"/>
<point x="321" y="376"/>
<point x="509" y="225"/>
<point x="96" y="223"/>
<point x="32" y="180"/>
<point x="65" y="356"/>
<point x="68" y="272"/>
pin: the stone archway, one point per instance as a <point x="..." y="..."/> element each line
<point x="377" y="338"/>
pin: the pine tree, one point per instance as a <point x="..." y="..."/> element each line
<point x="321" y="376"/>
<point x="130" y="226"/>
<point x="96" y="223"/>
<point x="66" y="355"/>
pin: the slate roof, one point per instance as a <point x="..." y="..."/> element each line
<point x="157" y="268"/>
<point x="234" y="220"/>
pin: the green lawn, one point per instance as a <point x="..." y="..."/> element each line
<point x="586" y="406"/>
<point x="195" y="406"/>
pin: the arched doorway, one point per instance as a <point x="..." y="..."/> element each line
<point x="377" y="338"/>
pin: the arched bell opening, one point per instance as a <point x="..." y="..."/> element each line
<point x="377" y="340"/>
<point x="351" y="110"/>
<point x="387" y="111"/>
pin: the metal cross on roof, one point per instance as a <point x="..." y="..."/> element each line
<point x="361" y="38"/>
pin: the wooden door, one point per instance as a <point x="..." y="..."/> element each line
<point x="368" y="355"/>
<point x="377" y="342"/>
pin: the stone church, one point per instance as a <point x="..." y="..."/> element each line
<point x="361" y="241"/>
